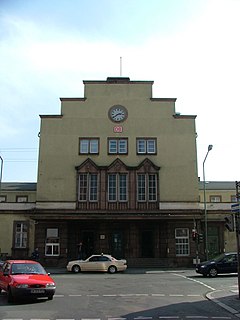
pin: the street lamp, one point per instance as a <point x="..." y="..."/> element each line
<point x="205" y="204"/>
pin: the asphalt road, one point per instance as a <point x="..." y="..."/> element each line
<point x="147" y="296"/>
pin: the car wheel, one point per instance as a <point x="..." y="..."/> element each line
<point x="9" y="295"/>
<point x="50" y="297"/>
<point x="213" y="272"/>
<point x="76" y="268"/>
<point x="112" y="269"/>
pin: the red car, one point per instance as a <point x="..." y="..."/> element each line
<point x="26" y="278"/>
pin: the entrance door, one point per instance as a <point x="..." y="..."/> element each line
<point x="88" y="243"/>
<point x="147" y="244"/>
<point x="117" y="245"/>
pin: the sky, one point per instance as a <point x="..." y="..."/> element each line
<point x="189" y="48"/>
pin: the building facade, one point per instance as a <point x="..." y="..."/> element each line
<point x="117" y="173"/>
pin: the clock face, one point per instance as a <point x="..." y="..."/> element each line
<point x="118" y="113"/>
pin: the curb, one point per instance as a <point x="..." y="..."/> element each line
<point x="210" y="296"/>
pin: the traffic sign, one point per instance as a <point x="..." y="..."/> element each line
<point x="235" y="207"/>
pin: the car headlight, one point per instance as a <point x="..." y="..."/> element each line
<point x="50" y="285"/>
<point x="22" y="286"/>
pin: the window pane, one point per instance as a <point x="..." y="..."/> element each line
<point x="93" y="187"/>
<point x="141" y="187"/>
<point x="123" y="187"/>
<point x="21" y="235"/>
<point x="122" y="147"/>
<point x="112" y="146"/>
<point x="94" y="146"/>
<point x="84" y="146"/>
<point x="83" y="187"/>
<point x="152" y="192"/>
<point x="151" y="146"/>
<point x="112" y="187"/>
<point x="141" y="146"/>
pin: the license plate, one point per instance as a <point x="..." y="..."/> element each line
<point x="37" y="291"/>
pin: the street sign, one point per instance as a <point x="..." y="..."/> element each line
<point x="235" y="207"/>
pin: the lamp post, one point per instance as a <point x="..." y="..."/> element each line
<point x="205" y="204"/>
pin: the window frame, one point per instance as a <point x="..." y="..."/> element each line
<point x="212" y="197"/>
<point x="52" y="242"/>
<point x="89" y="189"/>
<point x="182" y="243"/>
<point x="146" y="146"/>
<point x="3" y="198"/>
<point x="89" y="145"/>
<point x="22" y="199"/>
<point x="117" y="187"/>
<point x="118" y="142"/>
<point x="148" y="196"/>
<point x="22" y="235"/>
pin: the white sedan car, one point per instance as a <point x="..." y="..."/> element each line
<point x="98" y="262"/>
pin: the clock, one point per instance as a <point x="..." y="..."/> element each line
<point x="118" y="113"/>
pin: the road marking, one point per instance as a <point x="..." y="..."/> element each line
<point x="194" y="280"/>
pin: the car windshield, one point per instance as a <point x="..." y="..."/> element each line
<point x="219" y="257"/>
<point x="27" y="268"/>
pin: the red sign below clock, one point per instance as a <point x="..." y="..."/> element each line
<point x="118" y="129"/>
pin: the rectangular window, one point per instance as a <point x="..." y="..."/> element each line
<point x="88" y="187"/>
<point x="20" y="234"/>
<point x="146" y="146"/>
<point x="215" y="199"/>
<point x="182" y="241"/>
<point x="147" y="187"/>
<point x="117" y="187"/>
<point x="141" y="187"/>
<point x="117" y="145"/>
<point x="3" y="198"/>
<point x="152" y="187"/>
<point x="112" y="187"/>
<point x="52" y="246"/>
<point x="89" y="145"/>
<point x="22" y="199"/>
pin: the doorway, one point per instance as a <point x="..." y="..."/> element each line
<point x="117" y="245"/>
<point x="147" y="244"/>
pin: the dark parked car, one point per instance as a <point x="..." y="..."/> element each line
<point x="225" y="263"/>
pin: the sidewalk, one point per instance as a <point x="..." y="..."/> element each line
<point x="227" y="299"/>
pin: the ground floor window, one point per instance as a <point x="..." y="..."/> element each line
<point x="20" y="234"/>
<point x="182" y="241"/>
<point x="52" y="246"/>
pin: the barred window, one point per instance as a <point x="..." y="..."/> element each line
<point x="182" y="241"/>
